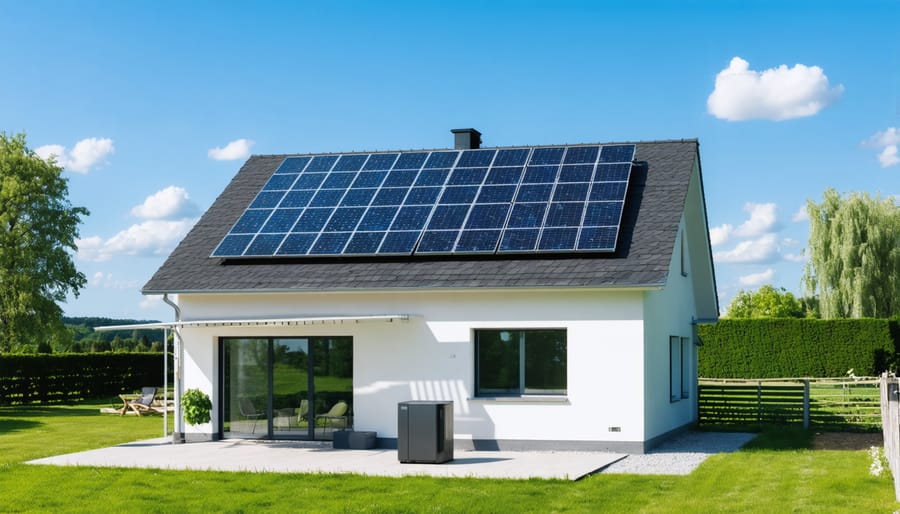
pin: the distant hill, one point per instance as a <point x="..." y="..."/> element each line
<point x="85" y="338"/>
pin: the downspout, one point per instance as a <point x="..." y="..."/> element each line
<point x="178" y="350"/>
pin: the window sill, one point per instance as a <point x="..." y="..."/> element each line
<point x="520" y="399"/>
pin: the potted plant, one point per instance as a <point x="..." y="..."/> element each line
<point x="196" y="406"/>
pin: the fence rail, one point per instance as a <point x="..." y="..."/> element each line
<point x="823" y="403"/>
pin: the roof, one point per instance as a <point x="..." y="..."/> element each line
<point x="654" y="205"/>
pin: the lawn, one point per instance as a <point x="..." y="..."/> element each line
<point x="776" y="473"/>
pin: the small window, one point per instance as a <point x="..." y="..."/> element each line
<point x="675" y="369"/>
<point x="684" y="269"/>
<point x="519" y="362"/>
<point x="686" y="361"/>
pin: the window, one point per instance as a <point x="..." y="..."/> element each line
<point x="676" y="369"/>
<point x="684" y="270"/>
<point x="680" y="359"/>
<point x="517" y="362"/>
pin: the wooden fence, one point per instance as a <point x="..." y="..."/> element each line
<point x="890" y="425"/>
<point x="823" y="403"/>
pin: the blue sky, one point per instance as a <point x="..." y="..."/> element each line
<point x="153" y="106"/>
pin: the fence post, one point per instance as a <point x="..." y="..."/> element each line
<point x="890" y="425"/>
<point x="805" y="403"/>
<point x="759" y="401"/>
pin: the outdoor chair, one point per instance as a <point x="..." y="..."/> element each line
<point x="337" y="413"/>
<point x="144" y="404"/>
<point x="249" y="411"/>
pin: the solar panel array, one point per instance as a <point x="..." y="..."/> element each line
<point x="485" y="201"/>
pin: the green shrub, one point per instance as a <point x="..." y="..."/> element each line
<point x="773" y="348"/>
<point x="196" y="405"/>
<point x="72" y="377"/>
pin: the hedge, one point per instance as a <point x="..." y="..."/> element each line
<point x="68" y="378"/>
<point x="774" y="348"/>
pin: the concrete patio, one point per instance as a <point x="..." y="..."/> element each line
<point x="312" y="457"/>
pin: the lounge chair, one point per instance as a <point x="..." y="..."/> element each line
<point x="337" y="413"/>
<point x="144" y="404"/>
<point x="248" y="410"/>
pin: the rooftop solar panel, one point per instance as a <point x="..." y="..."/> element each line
<point x="483" y="201"/>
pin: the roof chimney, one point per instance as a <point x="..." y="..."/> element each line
<point x="466" y="139"/>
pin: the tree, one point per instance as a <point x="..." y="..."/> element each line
<point x="767" y="302"/>
<point x="854" y="255"/>
<point x="38" y="229"/>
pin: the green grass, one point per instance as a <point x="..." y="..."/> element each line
<point x="776" y="473"/>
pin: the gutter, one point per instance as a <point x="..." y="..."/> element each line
<point x="178" y="434"/>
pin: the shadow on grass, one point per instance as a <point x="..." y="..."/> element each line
<point x="87" y="408"/>
<point x="14" y="425"/>
<point x="781" y="438"/>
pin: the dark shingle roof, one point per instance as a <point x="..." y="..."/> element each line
<point x="653" y="209"/>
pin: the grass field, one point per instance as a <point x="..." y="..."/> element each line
<point x="775" y="473"/>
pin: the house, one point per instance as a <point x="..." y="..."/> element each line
<point x="552" y="293"/>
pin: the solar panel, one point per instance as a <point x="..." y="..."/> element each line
<point x="482" y="201"/>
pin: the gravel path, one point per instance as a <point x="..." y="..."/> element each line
<point x="681" y="454"/>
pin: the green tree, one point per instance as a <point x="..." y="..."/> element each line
<point x="854" y="255"/>
<point x="766" y="302"/>
<point x="38" y="229"/>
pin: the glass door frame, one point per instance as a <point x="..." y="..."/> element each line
<point x="270" y="433"/>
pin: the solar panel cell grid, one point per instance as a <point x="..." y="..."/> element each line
<point x="442" y="202"/>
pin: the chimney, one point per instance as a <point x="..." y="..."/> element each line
<point x="466" y="139"/>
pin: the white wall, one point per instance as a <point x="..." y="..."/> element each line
<point x="432" y="355"/>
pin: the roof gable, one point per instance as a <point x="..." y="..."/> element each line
<point x="654" y="205"/>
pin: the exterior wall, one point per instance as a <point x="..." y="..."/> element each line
<point x="689" y="294"/>
<point x="431" y="357"/>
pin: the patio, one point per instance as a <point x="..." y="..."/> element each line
<point x="315" y="457"/>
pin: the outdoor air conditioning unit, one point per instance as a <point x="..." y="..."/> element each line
<point x="425" y="432"/>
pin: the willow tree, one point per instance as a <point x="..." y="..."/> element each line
<point x="854" y="255"/>
<point x="38" y="229"/>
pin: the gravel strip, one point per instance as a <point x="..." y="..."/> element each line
<point x="681" y="454"/>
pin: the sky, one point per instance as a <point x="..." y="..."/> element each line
<point x="152" y="107"/>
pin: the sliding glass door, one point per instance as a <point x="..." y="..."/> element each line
<point x="297" y="388"/>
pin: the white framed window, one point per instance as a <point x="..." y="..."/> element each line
<point x="515" y="362"/>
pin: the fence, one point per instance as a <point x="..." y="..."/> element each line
<point x="837" y="403"/>
<point x="890" y="425"/>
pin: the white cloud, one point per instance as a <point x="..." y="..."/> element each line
<point x="150" y="302"/>
<point x="150" y="238"/>
<point x="86" y="153"/>
<point x="888" y="141"/>
<point x="755" y="279"/>
<point x="721" y="234"/>
<point x="106" y="281"/>
<point x="799" y="258"/>
<point x="762" y="220"/>
<point x="238" y="149"/>
<point x="761" y="250"/>
<point x="780" y="93"/>
<point x="169" y="203"/>
<point x="801" y="215"/>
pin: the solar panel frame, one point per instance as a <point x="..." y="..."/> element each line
<point x="480" y="201"/>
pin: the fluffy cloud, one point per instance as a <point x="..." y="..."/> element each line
<point x="755" y="279"/>
<point x="887" y="141"/>
<point x="239" y="149"/>
<point x="151" y="302"/>
<point x="86" y="153"/>
<point x="780" y="93"/>
<point x="762" y="220"/>
<point x="171" y="202"/>
<point x="801" y="215"/>
<point x="150" y="238"/>
<point x="761" y="250"/>
<point x="106" y="281"/>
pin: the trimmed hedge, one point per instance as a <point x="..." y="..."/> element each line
<point x="66" y="378"/>
<point x="775" y="348"/>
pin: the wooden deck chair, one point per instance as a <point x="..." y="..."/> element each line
<point x="143" y="404"/>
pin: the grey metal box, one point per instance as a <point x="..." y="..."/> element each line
<point x="425" y="431"/>
<point x="353" y="440"/>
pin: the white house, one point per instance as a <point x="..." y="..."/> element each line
<point x="552" y="293"/>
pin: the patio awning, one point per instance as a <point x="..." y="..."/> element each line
<point x="260" y="322"/>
